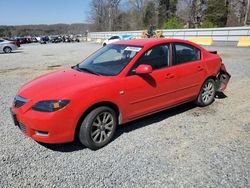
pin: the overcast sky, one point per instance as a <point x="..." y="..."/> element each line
<point x="22" y="12"/>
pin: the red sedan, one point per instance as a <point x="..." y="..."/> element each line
<point x="119" y="83"/>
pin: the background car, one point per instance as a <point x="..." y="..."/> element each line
<point x="117" y="38"/>
<point x="44" y="40"/>
<point x="117" y="84"/>
<point x="23" y="40"/>
<point x="56" y="39"/>
<point x="7" y="46"/>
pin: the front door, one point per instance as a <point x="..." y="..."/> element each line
<point x="148" y="93"/>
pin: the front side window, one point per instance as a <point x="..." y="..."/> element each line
<point x="157" y="57"/>
<point x="185" y="53"/>
<point x="109" y="60"/>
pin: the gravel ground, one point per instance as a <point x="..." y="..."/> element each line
<point x="186" y="146"/>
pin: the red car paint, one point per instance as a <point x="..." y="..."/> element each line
<point x="134" y="96"/>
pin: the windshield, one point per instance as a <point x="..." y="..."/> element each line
<point x="109" y="60"/>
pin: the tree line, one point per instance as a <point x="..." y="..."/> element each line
<point x="113" y="15"/>
<point x="41" y="30"/>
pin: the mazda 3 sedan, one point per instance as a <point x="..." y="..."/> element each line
<point x="118" y="83"/>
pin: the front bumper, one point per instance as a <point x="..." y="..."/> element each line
<point x="53" y="127"/>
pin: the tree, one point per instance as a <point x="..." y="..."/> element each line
<point x="191" y="11"/>
<point x="173" y="23"/>
<point x="238" y="12"/>
<point x="247" y="14"/>
<point x="137" y="13"/>
<point x="198" y="8"/>
<point x="150" y="16"/>
<point x="167" y="10"/>
<point x="216" y="12"/>
<point x="104" y="14"/>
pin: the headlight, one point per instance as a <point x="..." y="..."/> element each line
<point x="50" y="105"/>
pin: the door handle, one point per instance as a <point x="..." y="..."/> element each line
<point x="170" y="75"/>
<point x="200" y="68"/>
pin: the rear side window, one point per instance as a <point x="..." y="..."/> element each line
<point x="184" y="53"/>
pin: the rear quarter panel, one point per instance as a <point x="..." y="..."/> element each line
<point x="212" y="63"/>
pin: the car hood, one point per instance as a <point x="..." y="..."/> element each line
<point x="60" y="84"/>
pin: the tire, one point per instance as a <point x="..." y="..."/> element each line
<point x="104" y="44"/>
<point x="98" y="128"/>
<point x="207" y="93"/>
<point x="7" y="49"/>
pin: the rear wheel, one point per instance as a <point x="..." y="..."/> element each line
<point x="98" y="128"/>
<point x="7" y="49"/>
<point x="207" y="93"/>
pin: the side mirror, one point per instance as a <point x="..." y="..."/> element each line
<point x="143" y="69"/>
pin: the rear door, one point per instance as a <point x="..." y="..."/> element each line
<point x="190" y="70"/>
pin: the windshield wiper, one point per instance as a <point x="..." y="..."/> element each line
<point x="86" y="70"/>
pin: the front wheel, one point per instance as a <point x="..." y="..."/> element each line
<point x="207" y="93"/>
<point x="98" y="128"/>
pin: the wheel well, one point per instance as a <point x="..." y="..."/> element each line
<point x="215" y="79"/>
<point x="7" y="47"/>
<point x="86" y="112"/>
<point x="211" y="77"/>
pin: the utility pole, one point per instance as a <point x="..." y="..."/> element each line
<point x="247" y="15"/>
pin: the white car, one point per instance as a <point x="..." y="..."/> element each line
<point x="116" y="38"/>
<point x="7" y="46"/>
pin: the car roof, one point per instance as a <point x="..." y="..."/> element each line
<point x="154" y="41"/>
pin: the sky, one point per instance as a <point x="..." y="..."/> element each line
<point x="23" y="12"/>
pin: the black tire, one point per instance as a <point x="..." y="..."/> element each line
<point x="98" y="128"/>
<point x="104" y="44"/>
<point x="207" y="93"/>
<point x="7" y="49"/>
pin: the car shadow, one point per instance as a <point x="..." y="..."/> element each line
<point x="151" y="119"/>
<point x="67" y="147"/>
<point x="125" y="128"/>
<point x="13" y="52"/>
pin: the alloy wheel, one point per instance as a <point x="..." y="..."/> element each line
<point x="102" y="127"/>
<point x="208" y="92"/>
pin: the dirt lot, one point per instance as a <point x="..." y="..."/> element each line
<point x="186" y="146"/>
